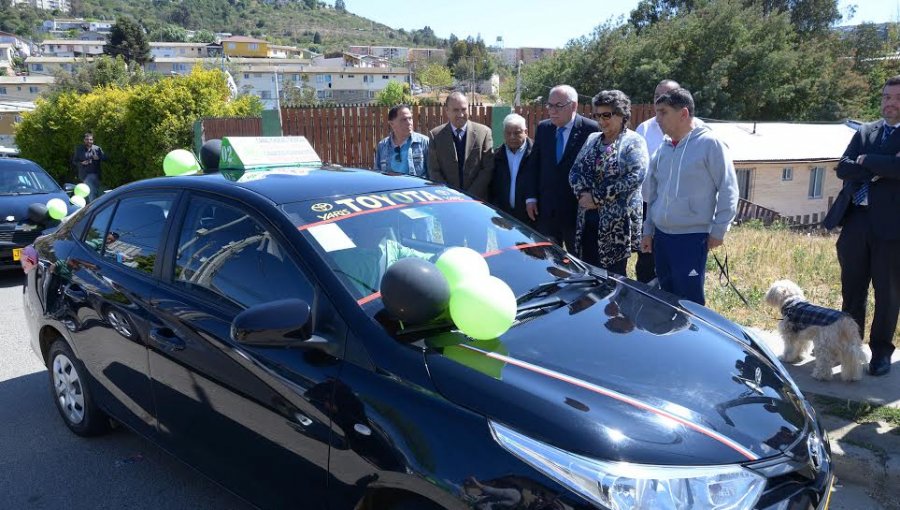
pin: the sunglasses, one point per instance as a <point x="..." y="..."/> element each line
<point x="602" y="115"/>
<point x="397" y="157"/>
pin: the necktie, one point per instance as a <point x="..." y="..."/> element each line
<point x="863" y="192"/>
<point x="560" y="143"/>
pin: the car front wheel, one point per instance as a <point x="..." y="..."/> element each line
<point x="68" y="384"/>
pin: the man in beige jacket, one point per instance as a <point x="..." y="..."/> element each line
<point x="461" y="152"/>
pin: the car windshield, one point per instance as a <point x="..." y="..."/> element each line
<point x="361" y="236"/>
<point x="26" y="180"/>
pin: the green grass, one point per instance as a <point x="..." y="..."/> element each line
<point x="859" y="412"/>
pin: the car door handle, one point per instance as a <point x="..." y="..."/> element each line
<point x="167" y="339"/>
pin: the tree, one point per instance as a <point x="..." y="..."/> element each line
<point x="317" y="39"/>
<point x="470" y="56"/>
<point x="435" y="76"/>
<point x="340" y="6"/>
<point x="739" y="62"/>
<point x="104" y="71"/>
<point x="299" y="96"/>
<point x="394" y="93"/>
<point x="204" y="36"/>
<point x="137" y="125"/>
<point x="127" y="39"/>
<point x="169" y="33"/>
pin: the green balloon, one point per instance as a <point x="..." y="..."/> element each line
<point x="82" y="190"/>
<point x="459" y="263"/>
<point x="78" y="201"/>
<point x="483" y="308"/>
<point x="180" y="162"/>
<point x="57" y="208"/>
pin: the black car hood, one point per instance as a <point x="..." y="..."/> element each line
<point x="621" y="374"/>
<point x="17" y="205"/>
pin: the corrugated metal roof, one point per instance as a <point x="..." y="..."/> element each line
<point x="783" y="141"/>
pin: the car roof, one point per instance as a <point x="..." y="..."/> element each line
<point x="19" y="164"/>
<point x="281" y="185"/>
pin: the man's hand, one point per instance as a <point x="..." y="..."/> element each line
<point x="96" y="157"/>
<point x="647" y="244"/>
<point x="586" y="201"/>
<point x="531" y="209"/>
<point x="861" y="158"/>
<point x="714" y="243"/>
<point x="86" y="162"/>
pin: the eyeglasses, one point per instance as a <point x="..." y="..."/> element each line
<point x="557" y="106"/>
<point x="602" y="115"/>
<point x="397" y="157"/>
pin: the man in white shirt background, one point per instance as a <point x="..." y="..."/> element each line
<point x="508" y="184"/>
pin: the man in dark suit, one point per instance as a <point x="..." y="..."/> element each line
<point x="461" y="153"/>
<point x="868" y="248"/>
<point x="507" y="190"/>
<point x="551" y="202"/>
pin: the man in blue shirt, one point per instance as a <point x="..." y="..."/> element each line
<point x="404" y="151"/>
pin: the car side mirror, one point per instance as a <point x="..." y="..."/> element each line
<point x="69" y="187"/>
<point x="282" y="323"/>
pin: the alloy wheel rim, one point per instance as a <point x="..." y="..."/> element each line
<point x="68" y="388"/>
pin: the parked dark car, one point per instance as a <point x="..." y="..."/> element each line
<point x="24" y="184"/>
<point x="235" y="320"/>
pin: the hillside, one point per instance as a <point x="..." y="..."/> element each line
<point x="292" y="22"/>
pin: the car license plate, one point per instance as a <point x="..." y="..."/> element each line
<point x="17" y="253"/>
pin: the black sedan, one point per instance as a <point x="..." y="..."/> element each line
<point x="25" y="189"/>
<point x="235" y="319"/>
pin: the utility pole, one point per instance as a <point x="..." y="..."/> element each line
<point x="473" y="80"/>
<point x="518" y="100"/>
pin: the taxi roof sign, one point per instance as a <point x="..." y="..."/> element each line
<point x="245" y="152"/>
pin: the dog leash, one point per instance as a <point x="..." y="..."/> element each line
<point x="723" y="275"/>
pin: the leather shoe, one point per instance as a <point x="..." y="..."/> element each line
<point x="880" y="366"/>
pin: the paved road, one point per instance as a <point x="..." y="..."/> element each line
<point x="43" y="465"/>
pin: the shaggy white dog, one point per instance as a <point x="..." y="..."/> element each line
<point x="833" y="334"/>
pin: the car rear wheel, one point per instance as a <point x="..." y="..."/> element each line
<point x="68" y="386"/>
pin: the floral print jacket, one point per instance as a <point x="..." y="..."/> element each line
<point x="612" y="174"/>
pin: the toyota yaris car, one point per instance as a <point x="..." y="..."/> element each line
<point x="235" y="319"/>
<point x="25" y="189"/>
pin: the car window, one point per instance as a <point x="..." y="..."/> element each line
<point x="225" y="253"/>
<point x="136" y="230"/>
<point x="361" y="236"/>
<point x="96" y="233"/>
<point x="26" y="180"/>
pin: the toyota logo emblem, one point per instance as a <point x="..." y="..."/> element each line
<point x="322" y="207"/>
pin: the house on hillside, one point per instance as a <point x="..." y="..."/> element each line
<point x="787" y="167"/>
<point x="243" y="46"/>
<point x="24" y="88"/>
<point x="10" y="115"/>
<point x="48" y="66"/>
<point x="7" y="54"/>
<point x="72" y="48"/>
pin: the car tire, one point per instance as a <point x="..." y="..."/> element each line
<point x="70" y="392"/>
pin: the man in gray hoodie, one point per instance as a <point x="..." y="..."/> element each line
<point x="691" y="194"/>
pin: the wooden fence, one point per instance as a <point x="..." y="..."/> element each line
<point x="749" y="211"/>
<point x="347" y="135"/>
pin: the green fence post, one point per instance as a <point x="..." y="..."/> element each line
<point x="198" y="135"/>
<point x="498" y="113"/>
<point x="271" y="123"/>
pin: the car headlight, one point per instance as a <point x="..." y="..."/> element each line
<point x="624" y="486"/>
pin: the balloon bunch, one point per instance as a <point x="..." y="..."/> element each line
<point x="79" y="195"/>
<point x="482" y="306"/>
<point x="180" y="162"/>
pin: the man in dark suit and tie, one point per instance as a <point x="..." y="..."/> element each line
<point x="461" y="154"/>
<point x="507" y="191"/>
<point x="868" y="248"/>
<point x="551" y="202"/>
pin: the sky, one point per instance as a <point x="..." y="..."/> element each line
<point x="540" y="23"/>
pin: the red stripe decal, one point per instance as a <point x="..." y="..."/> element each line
<point x="620" y="397"/>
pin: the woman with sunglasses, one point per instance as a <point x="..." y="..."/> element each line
<point x="606" y="179"/>
<point x="403" y="151"/>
